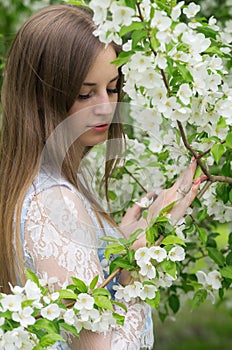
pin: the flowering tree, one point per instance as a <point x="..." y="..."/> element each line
<point x="177" y="69"/>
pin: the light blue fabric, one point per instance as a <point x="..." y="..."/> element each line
<point x="45" y="181"/>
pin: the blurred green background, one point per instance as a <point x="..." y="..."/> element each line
<point x="209" y="327"/>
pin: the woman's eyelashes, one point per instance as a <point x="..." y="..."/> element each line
<point x="89" y="95"/>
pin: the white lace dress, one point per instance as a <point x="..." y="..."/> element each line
<point x="61" y="237"/>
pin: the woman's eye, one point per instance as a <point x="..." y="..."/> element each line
<point x="112" y="91"/>
<point x="84" y="97"/>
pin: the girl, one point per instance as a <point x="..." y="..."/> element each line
<point x="59" y="99"/>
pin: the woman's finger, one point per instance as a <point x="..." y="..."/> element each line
<point x="180" y="208"/>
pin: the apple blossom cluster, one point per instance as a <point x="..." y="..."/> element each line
<point x="29" y="308"/>
<point x="175" y="71"/>
<point x="221" y="213"/>
<point x="210" y="282"/>
<point x="156" y="268"/>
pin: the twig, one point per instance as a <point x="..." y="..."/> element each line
<point x="211" y="178"/>
<point x="136" y="180"/>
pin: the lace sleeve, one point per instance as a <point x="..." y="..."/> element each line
<point x="60" y="237"/>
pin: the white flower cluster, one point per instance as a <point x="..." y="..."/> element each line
<point x="87" y="316"/>
<point x="215" y="207"/>
<point x="15" y="307"/>
<point x="173" y="74"/>
<point x="19" y="338"/>
<point x="108" y="29"/>
<point x="210" y="281"/>
<point x="151" y="274"/>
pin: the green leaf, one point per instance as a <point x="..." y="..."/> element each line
<point x="119" y="318"/>
<point x="230" y="240"/>
<point x="76" y="2"/>
<point x="134" y="26"/>
<point x="202" y="235"/>
<point x="113" y="249"/>
<point x="112" y="195"/>
<point x="230" y="196"/>
<point x="145" y="214"/>
<point x="131" y="3"/>
<point x="174" y="302"/>
<point x="67" y="294"/>
<point x="101" y="291"/>
<point x="226" y="272"/>
<point x="119" y="304"/>
<point x="199" y="297"/>
<point x="121" y="262"/>
<point x="137" y="36"/>
<point x="103" y="302"/>
<point x="80" y="285"/>
<point x="47" y="325"/>
<point x="69" y="328"/>
<point x="109" y="239"/>
<point x="32" y="276"/>
<point x="169" y="267"/>
<point x="154" y="303"/>
<point x="172" y="240"/>
<point x="229" y="259"/>
<point x="184" y="72"/>
<point x="217" y="152"/>
<point x="151" y="232"/>
<point x="122" y="58"/>
<point x="166" y="209"/>
<point x="222" y="191"/>
<point x="216" y="256"/>
<point x="130" y="254"/>
<point x="94" y="282"/>
<point x="50" y="339"/>
<point x="27" y="303"/>
<point x="229" y="140"/>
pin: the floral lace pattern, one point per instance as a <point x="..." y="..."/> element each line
<point x="61" y="239"/>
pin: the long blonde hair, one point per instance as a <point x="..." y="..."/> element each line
<point x="47" y="64"/>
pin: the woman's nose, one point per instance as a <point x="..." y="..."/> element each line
<point x="104" y="106"/>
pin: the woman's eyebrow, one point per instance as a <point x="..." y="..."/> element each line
<point x="86" y="83"/>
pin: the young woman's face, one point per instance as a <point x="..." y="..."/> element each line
<point x="96" y="102"/>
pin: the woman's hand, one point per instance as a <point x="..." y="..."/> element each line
<point x="182" y="193"/>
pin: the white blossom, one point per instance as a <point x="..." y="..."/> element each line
<point x="176" y="254"/>
<point x="69" y="317"/>
<point x="24" y="317"/>
<point x="148" y="270"/>
<point x="214" y="279"/>
<point x="148" y="291"/>
<point x="191" y="10"/>
<point x="32" y="291"/>
<point x="158" y="253"/>
<point x="51" y="312"/>
<point x="11" y="302"/>
<point x="184" y="93"/>
<point x="84" y="301"/>
<point x="176" y="11"/>
<point x="51" y="297"/>
<point x="142" y="255"/>
<point x="144" y="202"/>
<point x="121" y="14"/>
<point x="133" y="290"/>
<point x="161" y="21"/>
<point x="165" y="280"/>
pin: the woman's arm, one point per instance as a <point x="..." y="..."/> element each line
<point x="61" y="238"/>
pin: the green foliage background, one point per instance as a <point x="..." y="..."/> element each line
<point x="207" y="327"/>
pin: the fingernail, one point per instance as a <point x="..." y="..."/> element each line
<point x="203" y="177"/>
<point x="193" y="159"/>
<point x="197" y="181"/>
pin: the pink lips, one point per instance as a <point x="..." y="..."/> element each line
<point x="101" y="128"/>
